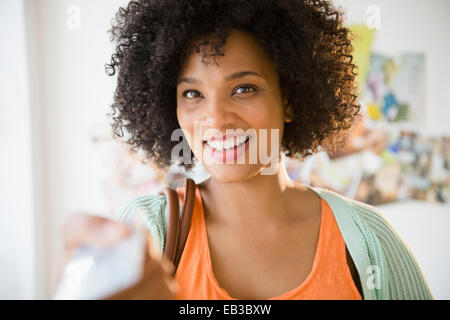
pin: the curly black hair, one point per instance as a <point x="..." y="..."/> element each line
<point x="306" y="39"/>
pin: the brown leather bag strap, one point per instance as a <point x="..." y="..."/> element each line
<point x="185" y="220"/>
<point x="172" y="223"/>
<point x="177" y="228"/>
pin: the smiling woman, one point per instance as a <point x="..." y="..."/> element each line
<point x="303" y="45"/>
<point x="241" y="92"/>
<point x="281" y="79"/>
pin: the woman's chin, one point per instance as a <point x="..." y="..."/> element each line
<point x="232" y="172"/>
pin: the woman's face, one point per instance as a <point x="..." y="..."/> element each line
<point x="241" y="92"/>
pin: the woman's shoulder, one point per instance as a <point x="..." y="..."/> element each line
<point x="343" y="205"/>
<point x="151" y="208"/>
<point x="385" y="248"/>
<point x="149" y="204"/>
<point x="365" y="219"/>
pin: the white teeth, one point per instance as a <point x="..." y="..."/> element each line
<point x="227" y="144"/>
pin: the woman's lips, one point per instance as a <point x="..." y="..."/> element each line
<point x="223" y="156"/>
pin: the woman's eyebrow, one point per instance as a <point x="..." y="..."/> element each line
<point x="233" y="76"/>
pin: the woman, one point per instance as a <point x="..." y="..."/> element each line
<point x="247" y="76"/>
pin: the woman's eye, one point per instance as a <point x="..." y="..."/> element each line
<point x="190" y="93"/>
<point x="245" y="89"/>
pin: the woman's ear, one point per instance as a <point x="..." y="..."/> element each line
<point x="288" y="114"/>
<point x="287" y="109"/>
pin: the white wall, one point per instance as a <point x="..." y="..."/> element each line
<point x="417" y="26"/>
<point x="424" y="228"/>
<point x="72" y="94"/>
<point x="17" y="261"/>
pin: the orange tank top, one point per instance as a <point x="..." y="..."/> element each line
<point x="329" y="279"/>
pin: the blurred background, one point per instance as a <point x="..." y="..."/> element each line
<point x="58" y="157"/>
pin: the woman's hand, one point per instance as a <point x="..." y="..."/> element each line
<point x="85" y="229"/>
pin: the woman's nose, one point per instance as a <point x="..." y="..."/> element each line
<point x="219" y="114"/>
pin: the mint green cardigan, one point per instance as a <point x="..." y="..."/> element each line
<point x="386" y="266"/>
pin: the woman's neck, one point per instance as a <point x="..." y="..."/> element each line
<point x="259" y="200"/>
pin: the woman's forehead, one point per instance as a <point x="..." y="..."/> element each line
<point x="241" y="52"/>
